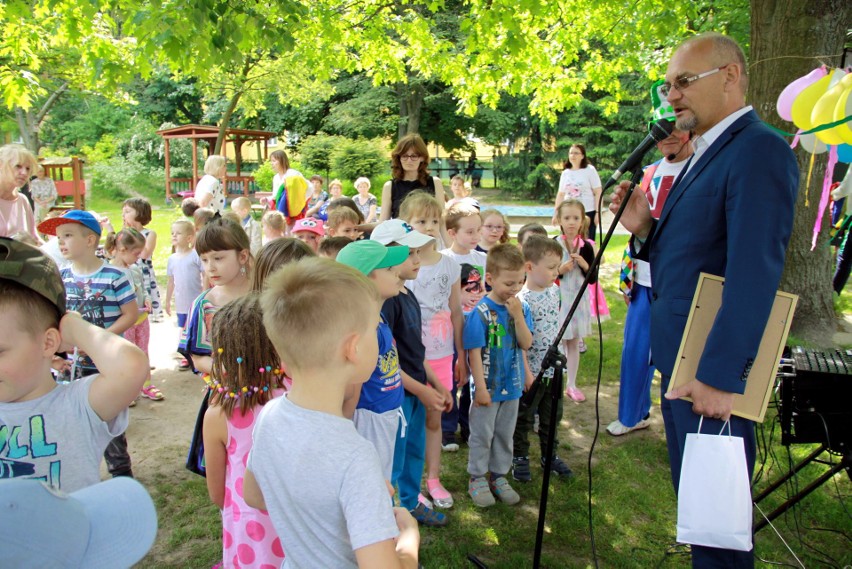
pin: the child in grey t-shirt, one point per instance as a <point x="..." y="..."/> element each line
<point x="319" y="480"/>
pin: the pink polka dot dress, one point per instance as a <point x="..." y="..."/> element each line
<point x="248" y="538"/>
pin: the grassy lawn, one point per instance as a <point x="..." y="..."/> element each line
<point x="634" y="510"/>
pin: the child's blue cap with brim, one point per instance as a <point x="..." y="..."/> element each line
<point x="48" y="226"/>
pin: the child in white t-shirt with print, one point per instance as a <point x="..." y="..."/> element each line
<point x="438" y="291"/>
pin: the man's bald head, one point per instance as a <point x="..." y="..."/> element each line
<point x="722" y="50"/>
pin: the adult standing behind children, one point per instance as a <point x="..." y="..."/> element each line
<point x="496" y="334"/>
<point x="729" y="214"/>
<point x="365" y="201"/>
<point x="43" y="192"/>
<point x="338" y="512"/>
<point x="63" y="429"/>
<point x="408" y="173"/>
<point x="16" y="214"/>
<point x="101" y="294"/>
<point x="209" y="191"/>
<point x="580" y="181"/>
<point x="637" y="371"/>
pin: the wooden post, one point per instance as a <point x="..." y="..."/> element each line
<point x="194" y="164"/>
<point x="77" y="178"/>
<point x="168" y="172"/>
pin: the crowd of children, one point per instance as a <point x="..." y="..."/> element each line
<point x="387" y="338"/>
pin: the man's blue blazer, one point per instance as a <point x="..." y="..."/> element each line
<point x="730" y="215"/>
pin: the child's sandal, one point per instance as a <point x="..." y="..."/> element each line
<point x="152" y="393"/>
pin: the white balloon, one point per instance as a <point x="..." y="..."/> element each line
<point x="812" y="144"/>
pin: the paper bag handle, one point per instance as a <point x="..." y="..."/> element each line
<point x="727" y="424"/>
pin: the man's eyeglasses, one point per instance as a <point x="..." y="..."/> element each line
<point x="409" y="156"/>
<point x="684" y="82"/>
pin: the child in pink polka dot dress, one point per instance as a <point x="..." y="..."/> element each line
<point x="245" y="376"/>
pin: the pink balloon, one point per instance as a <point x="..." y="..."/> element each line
<point x="791" y="91"/>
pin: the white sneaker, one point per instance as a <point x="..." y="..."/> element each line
<point x="616" y="428"/>
<point x="450" y="447"/>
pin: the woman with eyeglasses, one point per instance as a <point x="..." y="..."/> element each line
<point x="580" y="181"/>
<point x="408" y="173"/>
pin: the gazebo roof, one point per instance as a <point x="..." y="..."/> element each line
<point x="207" y="132"/>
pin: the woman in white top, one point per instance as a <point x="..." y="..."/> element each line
<point x="580" y="181"/>
<point x="16" y="215"/>
<point x="209" y="191"/>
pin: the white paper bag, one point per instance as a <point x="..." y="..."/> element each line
<point x="714" y="497"/>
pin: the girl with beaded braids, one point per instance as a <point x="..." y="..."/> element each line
<point x="246" y="375"/>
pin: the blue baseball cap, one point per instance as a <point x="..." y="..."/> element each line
<point x="110" y="524"/>
<point x="85" y="218"/>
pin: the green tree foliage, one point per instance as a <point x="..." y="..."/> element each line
<point x="80" y="119"/>
<point x="353" y="158"/>
<point x="316" y="151"/>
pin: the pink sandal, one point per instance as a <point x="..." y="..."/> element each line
<point x="152" y="393"/>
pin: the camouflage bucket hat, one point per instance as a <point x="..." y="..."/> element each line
<point x="30" y="267"/>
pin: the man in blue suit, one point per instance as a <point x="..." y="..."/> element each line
<point x="729" y="213"/>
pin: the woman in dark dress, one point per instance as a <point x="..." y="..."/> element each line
<point x="409" y="173"/>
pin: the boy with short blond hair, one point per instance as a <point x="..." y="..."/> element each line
<point x="496" y="333"/>
<point x="242" y="207"/>
<point x="343" y="222"/>
<point x="337" y="513"/>
<point x="62" y="429"/>
<point x="101" y="293"/>
<point x="542" y="257"/>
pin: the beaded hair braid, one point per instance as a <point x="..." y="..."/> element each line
<point x="246" y="367"/>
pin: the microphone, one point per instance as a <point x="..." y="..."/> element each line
<point x="660" y="130"/>
<point x="671" y="157"/>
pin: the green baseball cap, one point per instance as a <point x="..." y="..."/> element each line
<point x="366" y="256"/>
<point x="30" y="267"/>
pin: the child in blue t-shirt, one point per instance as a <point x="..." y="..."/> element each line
<point x="375" y="405"/>
<point x="496" y="334"/>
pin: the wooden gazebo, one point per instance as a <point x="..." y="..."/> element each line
<point x="236" y="185"/>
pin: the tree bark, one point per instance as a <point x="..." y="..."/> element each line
<point x="29" y="123"/>
<point x="789" y="38"/>
<point x="411" y="97"/>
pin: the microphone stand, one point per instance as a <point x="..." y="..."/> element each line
<point x="557" y="361"/>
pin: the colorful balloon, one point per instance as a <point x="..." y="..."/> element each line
<point x="844" y="153"/>
<point x="843" y="109"/>
<point x="812" y="144"/>
<point x="804" y="103"/>
<point x="791" y="91"/>
<point x="823" y="111"/>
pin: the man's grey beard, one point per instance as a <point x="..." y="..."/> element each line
<point x="687" y="124"/>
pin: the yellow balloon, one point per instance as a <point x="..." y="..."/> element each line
<point x="803" y="105"/>
<point x="823" y="112"/>
<point x="843" y="109"/>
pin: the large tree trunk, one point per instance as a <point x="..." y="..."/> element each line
<point x="411" y="96"/>
<point x="789" y="38"/>
<point x="29" y="122"/>
<point x="224" y="122"/>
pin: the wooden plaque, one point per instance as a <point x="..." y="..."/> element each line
<point x="705" y="305"/>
